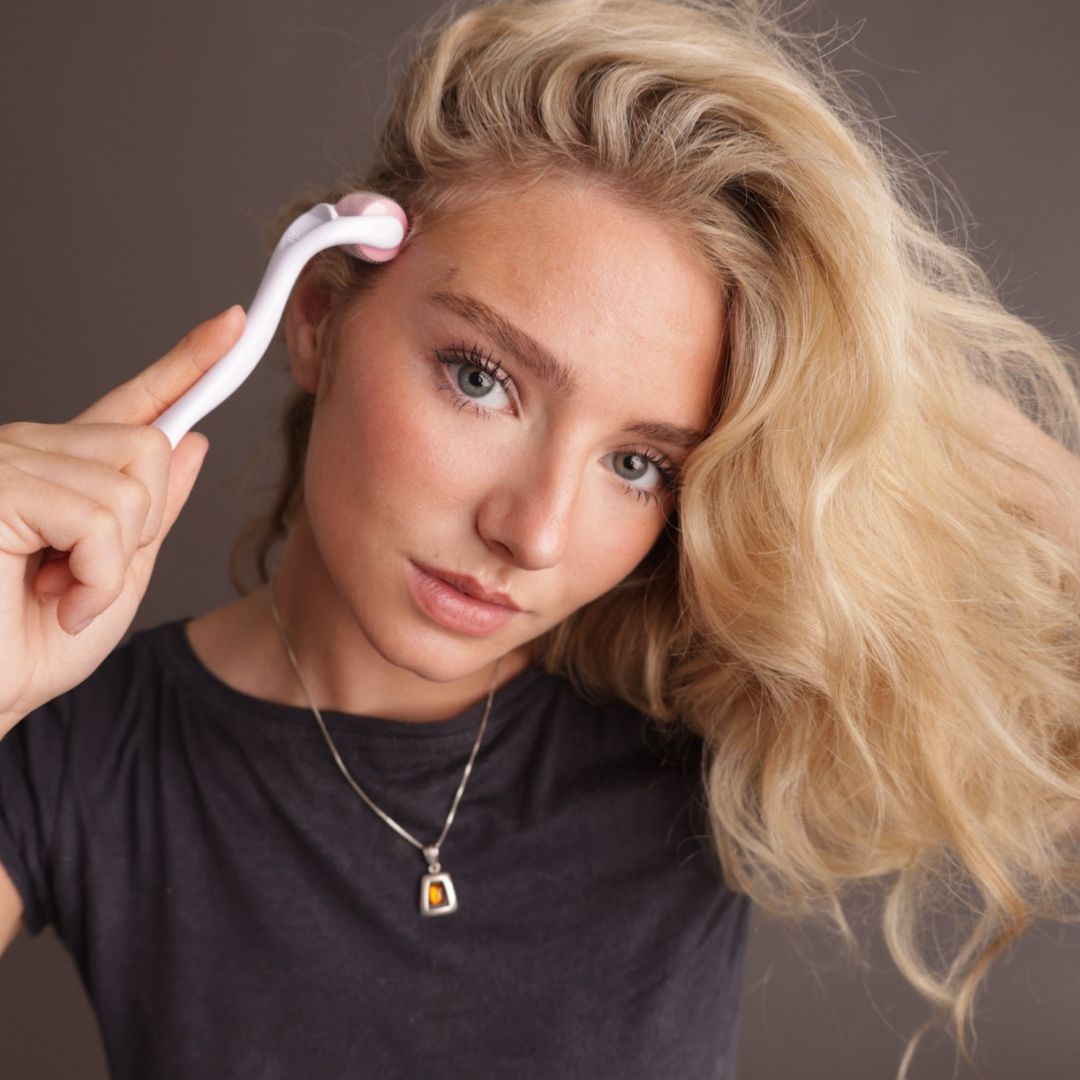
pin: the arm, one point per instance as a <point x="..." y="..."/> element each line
<point x="11" y="910"/>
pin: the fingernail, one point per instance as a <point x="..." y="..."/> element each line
<point x="223" y="314"/>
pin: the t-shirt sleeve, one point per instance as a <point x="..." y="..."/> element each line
<point x="34" y="801"/>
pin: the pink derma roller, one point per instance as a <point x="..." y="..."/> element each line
<point x="367" y="225"/>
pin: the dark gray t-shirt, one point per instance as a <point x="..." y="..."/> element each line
<point x="236" y="911"/>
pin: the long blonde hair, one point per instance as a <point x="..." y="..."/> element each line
<point x="876" y="643"/>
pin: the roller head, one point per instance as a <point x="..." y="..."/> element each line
<point x="367" y="202"/>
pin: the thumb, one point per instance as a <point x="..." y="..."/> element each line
<point x="187" y="460"/>
<point x="145" y="396"/>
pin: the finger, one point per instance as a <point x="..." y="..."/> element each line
<point x="184" y="470"/>
<point x="39" y="514"/>
<point x="187" y="463"/>
<point x="143" y="398"/>
<point x="55" y="576"/>
<point x="110" y="463"/>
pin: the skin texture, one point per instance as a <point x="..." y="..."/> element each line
<point x="526" y="488"/>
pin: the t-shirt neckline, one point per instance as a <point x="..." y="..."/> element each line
<point x="201" y="681"/>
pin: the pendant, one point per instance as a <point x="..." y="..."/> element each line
<point x="437" y="896"/>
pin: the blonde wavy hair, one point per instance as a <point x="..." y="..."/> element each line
<point x="875" y="639"/>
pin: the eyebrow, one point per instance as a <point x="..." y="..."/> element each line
<point x="545" y="365"/>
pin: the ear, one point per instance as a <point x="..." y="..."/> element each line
<point x="305" y="328"/>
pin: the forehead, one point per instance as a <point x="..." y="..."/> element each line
<point x="575" y="250"/>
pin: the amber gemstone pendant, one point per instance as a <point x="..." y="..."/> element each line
<point x="437" y="896"/>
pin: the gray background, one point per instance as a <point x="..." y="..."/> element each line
<point x="144" y="145"/>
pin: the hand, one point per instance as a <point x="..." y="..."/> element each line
<point x="84" y="509"/>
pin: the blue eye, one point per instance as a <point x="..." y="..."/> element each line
<point x="475" y="377"/>
<point x="474" y="381"/>
<point x="635" y="465"/>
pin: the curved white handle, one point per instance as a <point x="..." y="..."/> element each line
<point x="312" y="232"/>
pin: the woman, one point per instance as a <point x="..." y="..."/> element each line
<point x="756" y="479"/>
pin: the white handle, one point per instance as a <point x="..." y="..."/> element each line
<point x="312" y="232"/>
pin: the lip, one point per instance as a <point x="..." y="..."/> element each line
<point x="470" y="587"/>
<point x="446" y="602"/>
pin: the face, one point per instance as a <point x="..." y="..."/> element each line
<point x="506" y="412"/>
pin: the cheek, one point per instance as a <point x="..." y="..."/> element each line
<point x="386" y="442"/>
<point x="606" y="556"/>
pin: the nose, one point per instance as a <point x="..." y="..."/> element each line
<point x="528" y="512"/>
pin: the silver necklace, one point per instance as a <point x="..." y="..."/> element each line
<point x="437" y="894"/>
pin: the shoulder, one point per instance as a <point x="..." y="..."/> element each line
<point x="666" y="745"/>
<point x="615" y="750"/>
<point x="97" y="722"/>
<point x="135" y="670"/>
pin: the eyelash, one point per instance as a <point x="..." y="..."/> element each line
<point x="477" y="358"/>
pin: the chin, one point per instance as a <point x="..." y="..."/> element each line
<point x="437" y="655"/>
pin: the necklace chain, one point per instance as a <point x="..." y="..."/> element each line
<point x="431" y="851"/>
